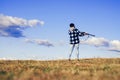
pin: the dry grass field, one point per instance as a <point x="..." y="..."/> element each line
<point x="85" y="69"/>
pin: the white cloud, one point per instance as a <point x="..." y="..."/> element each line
<point x="35" y="22"/>
<point x="97" y="42"/>
<point x="29" y="40"/>
<point x="14" y="26"/>
<point x="113" y="45"/>
<point x="40" y="42"/>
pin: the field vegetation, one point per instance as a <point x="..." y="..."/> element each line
<point x="85" y="69"/>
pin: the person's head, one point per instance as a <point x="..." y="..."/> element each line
<point x="72" y="25"/>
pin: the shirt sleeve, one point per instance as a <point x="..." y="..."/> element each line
<point x="80" y="33"/>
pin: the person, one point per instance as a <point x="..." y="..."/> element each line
<point x="74" y="34"/>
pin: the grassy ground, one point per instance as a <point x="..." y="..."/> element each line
<point x="85" y="69"/>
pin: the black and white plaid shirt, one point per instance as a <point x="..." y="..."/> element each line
<point x="74" y="36"/>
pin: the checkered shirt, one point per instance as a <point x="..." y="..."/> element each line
<point x="74" y="36"/>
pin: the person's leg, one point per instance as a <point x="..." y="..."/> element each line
<point x="77" y="50"/>
<point x="71" y="50"/>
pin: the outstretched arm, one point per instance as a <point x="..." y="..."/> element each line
<point x="84" y="33"/>
<point x="90" y="34"/>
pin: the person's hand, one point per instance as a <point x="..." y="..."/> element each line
<point x="85" y="33"/>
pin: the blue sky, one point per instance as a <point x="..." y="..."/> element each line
<point x="38" y="29"/>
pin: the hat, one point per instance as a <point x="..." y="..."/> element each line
<point x="72" y="25"/>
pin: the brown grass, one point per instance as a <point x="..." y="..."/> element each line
<point x="85" y="69"/>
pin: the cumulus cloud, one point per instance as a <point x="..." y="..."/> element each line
<point x="14" y="26"/>
<point x="111" y="45"/>
<point x="97" y="42"/>
<point x="114" y="45"/>
<point x="40" y="42"/>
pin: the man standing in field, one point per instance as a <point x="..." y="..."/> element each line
<point x="74" y="34"/>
